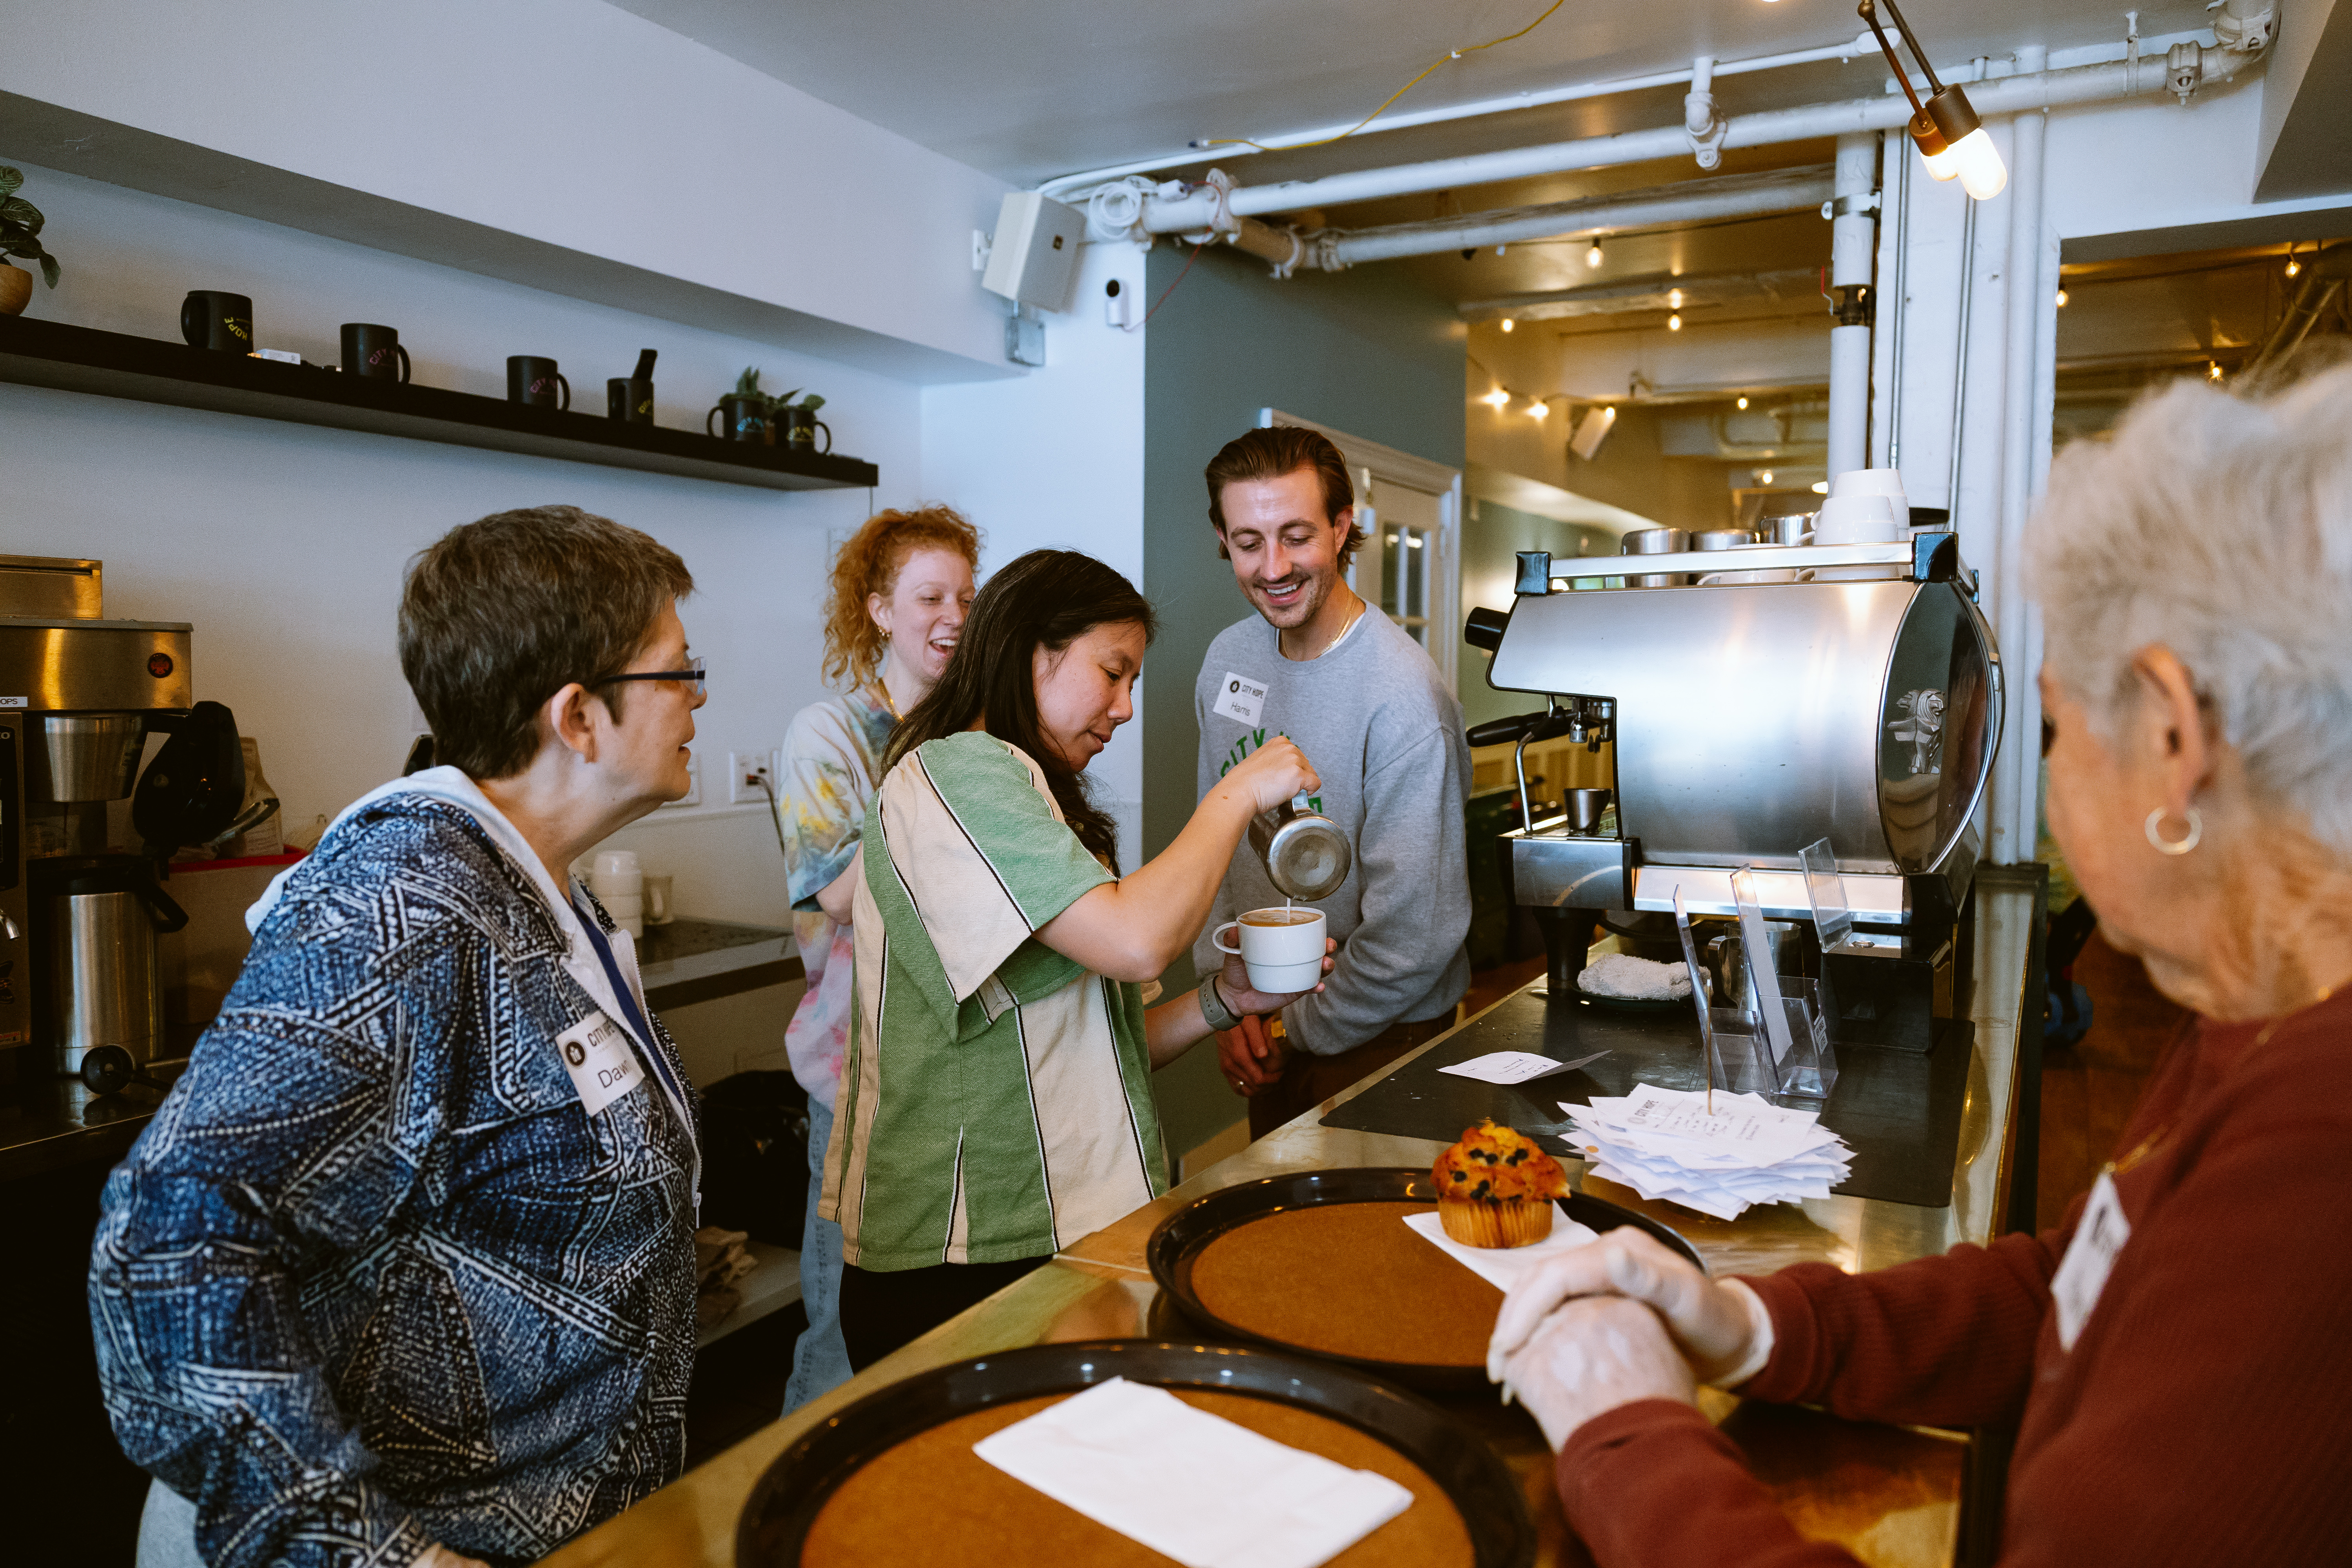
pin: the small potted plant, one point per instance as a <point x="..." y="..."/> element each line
<point x="20" y="235"/>
<point x="747" y="414"/>
<point x="800" y="422"/>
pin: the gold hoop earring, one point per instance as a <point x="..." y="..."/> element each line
<point x="2180" y="846"/>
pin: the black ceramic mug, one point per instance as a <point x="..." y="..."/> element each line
<point x="800" y="425"/>
<point x="210" y="318"/>
<point x="629" y="400"/>
<point x="374" y="352"/>
<point x="536" y="384"/>
<point x="741" y="419"/>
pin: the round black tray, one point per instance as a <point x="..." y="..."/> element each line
<point x="785" y="1502"/>
<point x="1181" y="1236"/>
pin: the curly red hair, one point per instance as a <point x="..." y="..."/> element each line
<point x="868" y="563"/>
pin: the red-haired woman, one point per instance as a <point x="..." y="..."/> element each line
<point x="901" y="588"/>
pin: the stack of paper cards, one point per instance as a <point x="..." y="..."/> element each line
<point x="1665" y="1143"/>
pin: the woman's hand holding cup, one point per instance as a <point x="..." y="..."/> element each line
<point x="1241" y="993"/>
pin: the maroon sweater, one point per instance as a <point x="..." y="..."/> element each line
<point x="2204" y="1415"/>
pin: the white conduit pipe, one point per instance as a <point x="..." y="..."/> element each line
<point x="1063" y="186"/>
<point x="2017" y="798"/>
<point x="1740" y="196"/>
<point x="2001" y="95"/>
<point x="1852" y="236"/>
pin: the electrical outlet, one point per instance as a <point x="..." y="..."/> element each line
<point x="747" y="771"/>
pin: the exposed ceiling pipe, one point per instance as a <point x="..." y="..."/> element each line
<point x="1176" y="208"/>
<point x="1064" y="186"/>
<point x="1692" y="201"/>
<point x="1652" y="293"/>
<point x="2324" y="277"/>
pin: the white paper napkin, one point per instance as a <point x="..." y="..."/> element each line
<point x="1672" y="1144"/>
<point x="1205" y="1491"/>
<point x="1503" y="1266"/>
<point x="1516" y="1067"/>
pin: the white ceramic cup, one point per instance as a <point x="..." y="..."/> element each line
<point x="1887" y="482"/>
<point x="1857" y="520"/>
<point x="616" y="871"/>
<point x="657" y="897"/>
<point x="1283" y="954"/>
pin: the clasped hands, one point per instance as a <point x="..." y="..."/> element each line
<point x="1624" y="1319"/>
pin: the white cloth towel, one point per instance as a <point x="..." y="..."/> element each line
<point x="1203" y="1490"/>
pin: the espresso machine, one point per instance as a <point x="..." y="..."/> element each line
<point x="82" y="894"/>
<point x="1850" y="693"/>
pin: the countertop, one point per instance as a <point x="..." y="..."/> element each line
<point x="1890" y="1495"/>
<point x="48" y="1121"/>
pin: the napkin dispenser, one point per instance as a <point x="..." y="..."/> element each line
<point x="1749" y="720"/>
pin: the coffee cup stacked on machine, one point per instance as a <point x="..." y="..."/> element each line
<point x="618" y="880"/>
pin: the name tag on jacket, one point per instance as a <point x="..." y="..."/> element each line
<point x="1240" y="697"/>
<point x="2090" y="1258"/>
<point x="598" y="1055"/>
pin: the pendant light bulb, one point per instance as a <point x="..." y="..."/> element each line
<point x="1593" y="256"/>
<point x="1982" y="174"/>
<point x="1507" y="323"/>
<point x="1675" y="322"/>
<point x="1743" y="403"/>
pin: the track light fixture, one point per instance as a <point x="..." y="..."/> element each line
<point x="1945" y="129"/>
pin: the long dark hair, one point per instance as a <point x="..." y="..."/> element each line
<point x="1048" y="598"/>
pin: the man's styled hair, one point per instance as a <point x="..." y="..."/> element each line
<point x="1271" y="452"/>
<point x="501" y="614"/>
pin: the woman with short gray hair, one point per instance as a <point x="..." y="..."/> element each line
<point x="2168" y="1355"/>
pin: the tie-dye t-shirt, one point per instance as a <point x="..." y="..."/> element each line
<point x="832" y="752"/>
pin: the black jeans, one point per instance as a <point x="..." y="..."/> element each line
<point x="880" y="1312"/>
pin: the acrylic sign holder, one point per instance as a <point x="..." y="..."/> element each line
<point x="1781" y="1048"/>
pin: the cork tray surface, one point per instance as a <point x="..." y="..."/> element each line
<point x="1350" y="1279"/>
<point x="931" y="1498"/>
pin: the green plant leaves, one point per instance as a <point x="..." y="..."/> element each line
<point x="748" y="384"/>
<point x="811" y="403"/>
<point x="10" y="180"/>
<point x="48" y="269"/>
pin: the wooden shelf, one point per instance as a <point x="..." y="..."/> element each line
<point x="113" y="364"/>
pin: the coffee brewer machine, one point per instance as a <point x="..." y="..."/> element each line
<point x="1856" y="698"/>
<point x="80" y="904"/>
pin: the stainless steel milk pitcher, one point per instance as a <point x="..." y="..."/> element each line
<point x="1306" y="855"/>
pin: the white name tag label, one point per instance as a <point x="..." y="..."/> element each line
<point x="1241" y="698"/>
<point x="2090" y="1256"/>
<point x="603" y="1067"/>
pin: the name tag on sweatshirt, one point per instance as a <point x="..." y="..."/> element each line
<point x="1240" y="697"/>
<point x="2090" y="1258"/>
<point x="598" y="1055"/>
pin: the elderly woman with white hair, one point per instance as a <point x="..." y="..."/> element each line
<point x="2174" y="1352"/>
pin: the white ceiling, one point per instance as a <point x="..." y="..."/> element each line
<point x="1027" y="89"/>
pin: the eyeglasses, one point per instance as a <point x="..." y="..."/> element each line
<point x="694" y="674"/>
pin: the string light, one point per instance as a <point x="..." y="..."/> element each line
<point x="1498" y="398"/>
<point x="1674" y="323"/>
<point x="1764" y="477"/>
<point x="1538" y="408"/>
<point x="2213" y="370"/>
<point x="1507" y="323"/>
<point x="1593" y="256"/>
<point x="1743" y="403"/>
<point x="1673" y="299"/>
<point x="2294" y="268"/>
<point x="2061" y="298"/>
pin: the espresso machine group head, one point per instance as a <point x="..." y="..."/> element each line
<point x="82" y="894"/>
<point x="1750" y="719"/>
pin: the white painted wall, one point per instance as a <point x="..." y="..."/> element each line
<point x="568" y="121"/>
<point x="285" y="544"/>
<point x="1056" y="459"/>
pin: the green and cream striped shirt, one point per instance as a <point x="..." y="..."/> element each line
<point x="997" y="1099"/>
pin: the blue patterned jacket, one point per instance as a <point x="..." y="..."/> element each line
<point x="372" y="1278"/>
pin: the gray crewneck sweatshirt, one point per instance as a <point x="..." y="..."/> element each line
<point x="1375" y="719"/>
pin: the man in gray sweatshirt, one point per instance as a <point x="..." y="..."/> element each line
<point x="1359" y="697"/>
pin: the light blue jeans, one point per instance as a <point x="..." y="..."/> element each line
<point x="820" y="1361"/>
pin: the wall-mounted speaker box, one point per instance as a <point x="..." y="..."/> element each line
<point x="1035" y="258"/>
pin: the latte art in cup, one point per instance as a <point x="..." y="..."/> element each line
<point x="1282" y="918"/>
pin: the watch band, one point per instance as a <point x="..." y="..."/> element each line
<point x="1213" y="1011"/>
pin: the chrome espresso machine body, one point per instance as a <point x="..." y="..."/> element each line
<point x="1748" y="721"/>
<point x="81" y="991"/>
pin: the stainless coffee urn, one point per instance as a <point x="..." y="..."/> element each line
<point x="81" y="893"/>
<point x="1850" y="693"/>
